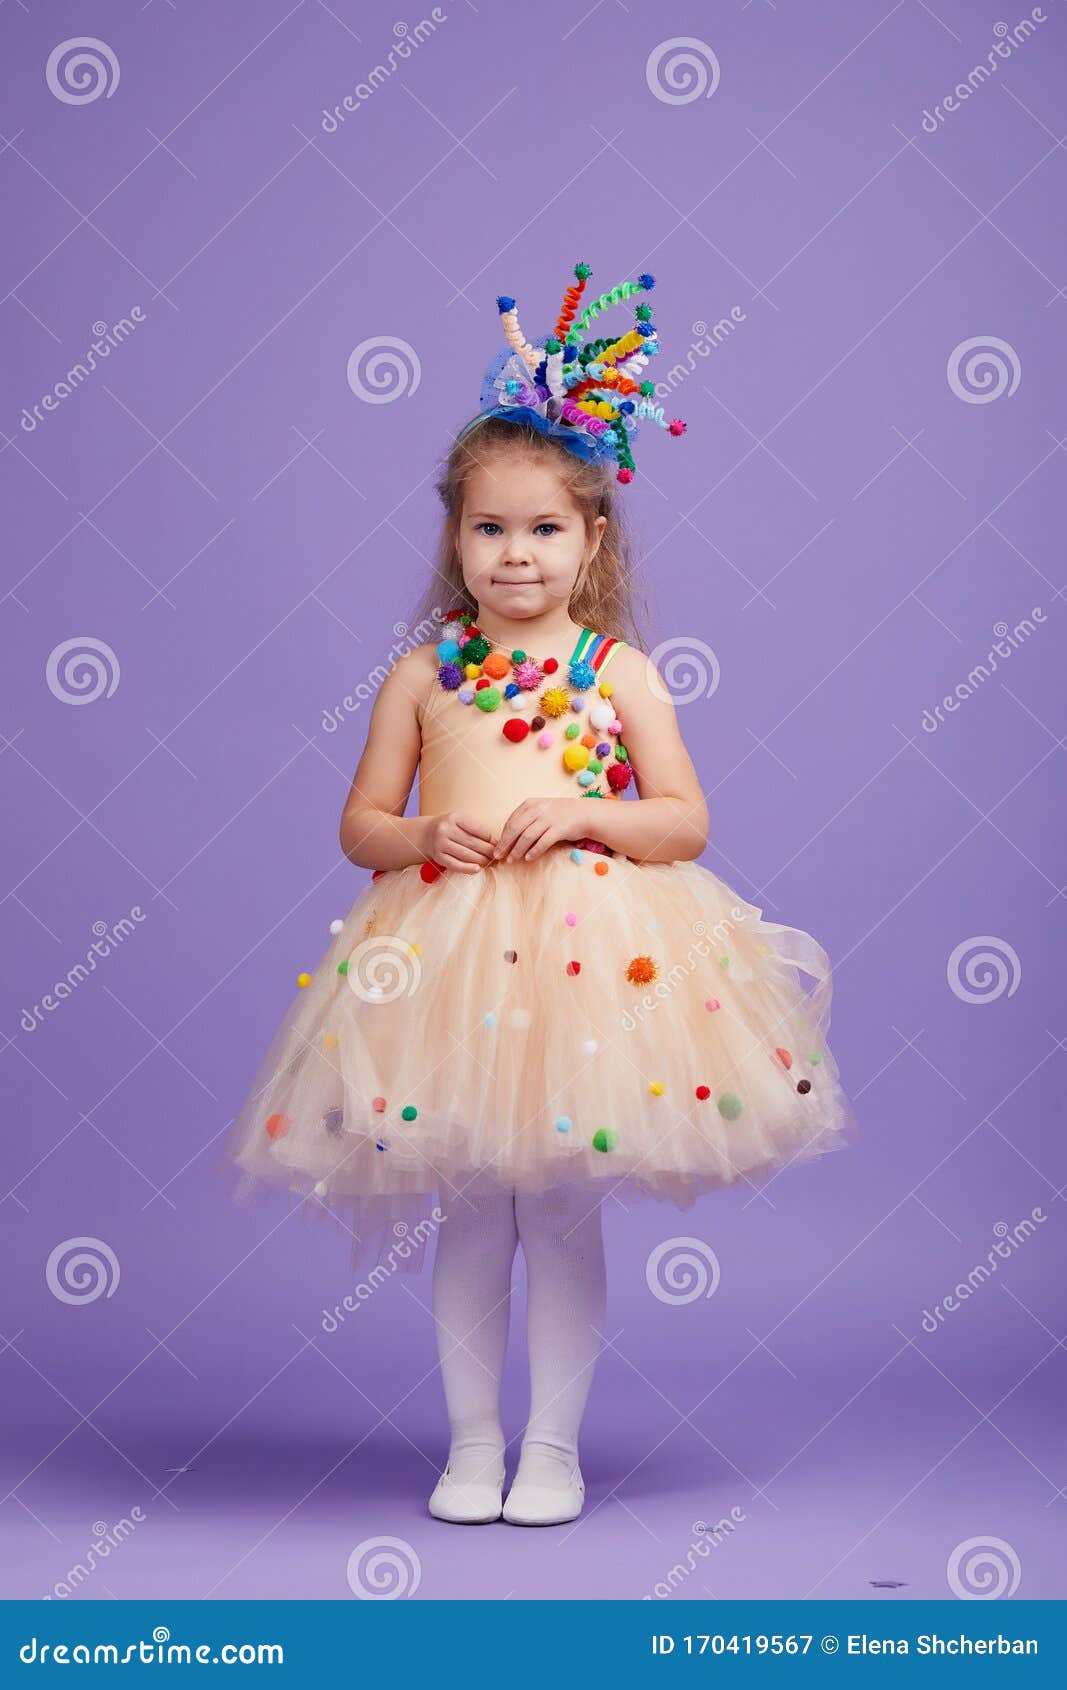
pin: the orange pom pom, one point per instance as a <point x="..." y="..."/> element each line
<point x="641" y="971"/>
<point x="496" y="666"/>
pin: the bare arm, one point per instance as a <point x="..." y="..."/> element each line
<point x="375" y="833"/>
<point x="670" y="823"/>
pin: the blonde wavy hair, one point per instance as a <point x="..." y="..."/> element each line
<point x="605" y="596"/>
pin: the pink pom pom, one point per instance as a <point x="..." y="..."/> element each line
<point x="625" y="476"/>
<point x="528" y="674"/>
<point x="677" y="426"/>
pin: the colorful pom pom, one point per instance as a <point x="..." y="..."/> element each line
<point x="496" y="666"/>
<point x="703" y="1092"/>
<point x="430" y="872"/>
<point x="574" y="968"/>
<point x="516" y="729"/>
<point x="729" y="1106"/>
<point x="488" y="698"/>
<point x="278" y="1126"/>
<point x="554" y="702"/>
<point x="641" y="971"/>
<point x="619" y="776"/>
<point x="575" y="757"/>
<point x="450" y="676"/>
<point x="605" y="1139"/>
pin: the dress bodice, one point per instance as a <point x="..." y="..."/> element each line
<point x="497" y="731"/>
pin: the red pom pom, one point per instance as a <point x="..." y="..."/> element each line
<point x="625" y="475"/>
<point x="619" y="776"/>
<point x="430" y="872"/>
<point x="474" y="633"/>
<point x="574" y="968"/>
<point x="676" y="427"/>
<point x="377" y="875"/>
<point x="703" y="1092"/>
<point x="550" y="665"/>
<point x="516" y="729"/>
<point x="478" y="685"/>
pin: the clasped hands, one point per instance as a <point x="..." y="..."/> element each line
<point x="461" y="842"/>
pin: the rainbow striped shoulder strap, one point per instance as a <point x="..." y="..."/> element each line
<point x="595" y="649"/>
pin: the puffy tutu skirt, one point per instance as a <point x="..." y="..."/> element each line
<point x="634" y="1026"/>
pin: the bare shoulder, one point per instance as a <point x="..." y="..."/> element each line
<point x="413" y="674"/>
<point x="635" y="678"/>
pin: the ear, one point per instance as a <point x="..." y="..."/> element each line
<point x="599" y="525"/>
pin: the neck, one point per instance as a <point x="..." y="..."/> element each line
<point x="554" y="628"/>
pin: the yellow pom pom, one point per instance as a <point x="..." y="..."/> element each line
<point x="605" y="689"/>
<point x="576" y="756"/>
<point x="472" y="671"/>
<point x="554" y="702"/>
<point x="303" y="980"/>
<point x="414" y="950"/>
<point x="657" y="1088"/>
<point x="329" y="1041"/>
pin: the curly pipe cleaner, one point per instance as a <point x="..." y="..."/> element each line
<point x="509" y="322"/>
<point x="654" y="413"/>
<point x="614" y="296"/>
<point x="570" y="301"/>
<point x="554" y="368"/>
<point x="574" y="414"/>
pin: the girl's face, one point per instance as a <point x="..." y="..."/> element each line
<point x="522" y="541"/>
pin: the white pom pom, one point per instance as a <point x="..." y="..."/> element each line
<point x="337" y="927"/>
<point x="601" y="716"/>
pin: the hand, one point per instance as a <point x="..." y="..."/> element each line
<point x="459" y="842"/>
<point x="538" y="823"/>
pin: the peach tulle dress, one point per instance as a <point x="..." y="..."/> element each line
<point x="635" y="1026"/>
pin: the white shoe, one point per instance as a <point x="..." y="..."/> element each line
<point x="468" y="1502"/>
<point x="545" y="1505"/>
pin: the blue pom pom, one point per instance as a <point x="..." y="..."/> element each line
<point x="569" y="354"/>
<point x="448" y="651"/>
<point x="512" y="386"/>
<point x="646" y="281"/>
<point x="581" y="675"/>
<point x="646" y="329"/>
<point x="511" y="689"/>
<point x="504" y="303"/>
<point x="627" y="406"/>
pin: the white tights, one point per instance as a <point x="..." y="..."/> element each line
<point x="562" y="1240"/>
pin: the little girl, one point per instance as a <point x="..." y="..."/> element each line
<point x="540" y="998"/>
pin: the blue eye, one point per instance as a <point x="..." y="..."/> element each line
<point x="483" y="525"/>
<point x="550" y="525"/>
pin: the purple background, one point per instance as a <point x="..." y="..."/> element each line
<point x="840" y="530"/>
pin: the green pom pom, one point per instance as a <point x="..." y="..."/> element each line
<point x="648" y="388"/>
<point x="643" y="313"/>
<point x="409" y="1112"/>
<point x="487" y="698"/>
<point x="583" y="272"/>
<point x="552" y="345"/>
<point x="342" y="968"/>
<point x="594" y="765"/>
<point x="730" y="1106"/>
<point x="621" y="753"/>
<point x="476" y="650"/>
<point x="589" y="793"/>
<point x="518" y="657"/>
<point x="605" y="1139"/>
<point x="571" y="731"/>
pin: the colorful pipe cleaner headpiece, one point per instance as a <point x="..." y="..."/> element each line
<point x="587" y="393"/>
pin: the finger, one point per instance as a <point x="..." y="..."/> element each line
<point x="523" y="842"/>
<point x="457" y="866"/>
<point x="482" y="847"/>
<point x="464" y="853"/>
<point x="477" y="829"/>
<point x="550" y="836"/>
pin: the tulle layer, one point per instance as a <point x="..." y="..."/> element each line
<point x="583" y="1017"/>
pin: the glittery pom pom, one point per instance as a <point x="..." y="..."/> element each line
<point x="476" y="650"/>
<point x="677" y="426"/>
<point x="625" y="476"/>
<point x="620" y="776"/>
<point x="504" y="303"/>
<point x="582" y="674"/>
<point x="646" y="281"/>
<point x="450" y="676"/>
<point x="555" y="702"/>
<point x="529" y="674"/>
